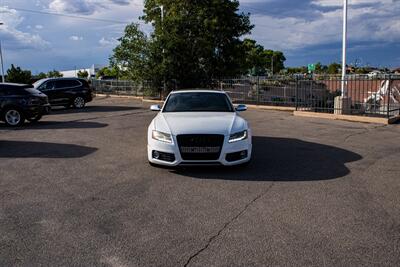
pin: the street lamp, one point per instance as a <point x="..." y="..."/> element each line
<point x="344" y="43"/>
<point x="161" y="7"/>
<point x="1" y="58"/>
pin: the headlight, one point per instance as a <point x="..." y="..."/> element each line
<point x="238" y="136"/>
<point x="163" y="137"/>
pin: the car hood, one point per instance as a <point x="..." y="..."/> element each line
<point x="199" y="123"/>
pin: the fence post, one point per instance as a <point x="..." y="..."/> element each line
<point x="297" y="93"/>
<point x="388" y="96"/>
<point x="258" y="90"/>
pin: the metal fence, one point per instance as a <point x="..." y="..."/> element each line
<point x="367" y="96"/>
<point x="129" y="88"/>
<point x="379" y="96"/>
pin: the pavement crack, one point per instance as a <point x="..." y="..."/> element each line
<point x="225" y="226"/>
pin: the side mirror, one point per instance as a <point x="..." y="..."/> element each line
<point x="155" y="108"/>
<point x="241" y="108"/>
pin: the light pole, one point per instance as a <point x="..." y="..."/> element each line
<point x="1" y="58"/>
<point x="344" y="43"/>
<point x="161" y="7"/>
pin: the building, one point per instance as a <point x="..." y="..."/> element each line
<point x="93" y="70"/>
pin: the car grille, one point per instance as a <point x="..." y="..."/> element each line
<point x="200" y="146"/>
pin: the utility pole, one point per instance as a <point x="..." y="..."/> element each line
<point x="161" y="7"/>
<point x="272" y="63"/>
<point x="163" y="51"/>
<point x="1" y="58"/>
<point x="344" y="43"/>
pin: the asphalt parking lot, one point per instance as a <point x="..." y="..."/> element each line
<point x="76" y="190"/>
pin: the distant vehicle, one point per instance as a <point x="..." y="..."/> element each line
<point x="21" y="101"/>
<point x="66" y="92"/>
<point x="199" y="127"/>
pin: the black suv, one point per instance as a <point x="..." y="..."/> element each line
<point x="21" y="101"/>
<point x="66" y="91"/>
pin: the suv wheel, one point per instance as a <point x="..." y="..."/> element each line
<point x="13" y="117"/>
<point x="79" y="102"/>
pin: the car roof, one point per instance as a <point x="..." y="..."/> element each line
<point x="61" y="78"/>
<point x="197" y="91"/>
<point x="15" y="85"/>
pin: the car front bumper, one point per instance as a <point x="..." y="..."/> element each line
<point x="227" y="148"/>
<point x="32" y="111"/>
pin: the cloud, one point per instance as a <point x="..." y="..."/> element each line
<point x="76" y="38"/>
<point x="83" y="7"/>
<point x="369" y="21"/>
<point x="39" y="27"/>
<point x="108" y="42"/>
<point x="15" y="39"/>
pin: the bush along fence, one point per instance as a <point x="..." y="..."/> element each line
<point x="378" y="97"/>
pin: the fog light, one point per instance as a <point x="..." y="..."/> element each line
<point x="156" y="154"/>
<point x="243" y="154"/>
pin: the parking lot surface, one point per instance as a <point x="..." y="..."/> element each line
<point x="76" y="190"/>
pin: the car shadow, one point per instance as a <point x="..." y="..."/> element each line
<point x="62" y="110"/>
<point x="24" y="149"/>
<point x="54" y="125"/>
<point x="282" y="159"/>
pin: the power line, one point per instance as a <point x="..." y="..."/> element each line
<point x="69" y="16"/>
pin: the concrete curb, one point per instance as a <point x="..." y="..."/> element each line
<point x="131" y="97"/>
<point x="291" y="109"/>
<point x="352" y="118"/>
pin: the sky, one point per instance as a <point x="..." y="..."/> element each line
<point x="307" y="31"/>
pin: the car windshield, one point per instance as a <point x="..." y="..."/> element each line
<point x="198" y="102"/>
<point x="38" y="83"/>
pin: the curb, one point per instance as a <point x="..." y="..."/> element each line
<point x="351" y="118"/>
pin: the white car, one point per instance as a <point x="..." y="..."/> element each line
<point x="199" y="127"/>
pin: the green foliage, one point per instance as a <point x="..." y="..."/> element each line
<point x="17" y="75"/>
<point x="320" y="69"/>
<point x="110" y="72"/>
<point x="334" y="68"/>
<point x="54" y="74"/>
<point x="83" y="74"/>
<point x="132" y="54"/>
<point x="41" y="75"/>
<point x="297" y="70"/>
<point x="258" y="61"/>
<point x="196" y="41"/>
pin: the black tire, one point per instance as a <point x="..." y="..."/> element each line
<point x="36" y="118"/>
<point x="13" y="117"/>
<point x="79" y="102"/>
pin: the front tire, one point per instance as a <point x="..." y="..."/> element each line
<point x="13" y="117"/>
<point x="79" y="102"/>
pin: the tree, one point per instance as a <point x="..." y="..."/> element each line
<point x="275" y="62"/>
<point x="83" y="74"/>
<point x="258" y="61"/>
<point x="196" y="41"/>
<point x="41" y="75"/>
<point x="320" y="69"/>
<point x="17" y="75"/>
<point x="334" y="68"/>
<point x="54" y="74"/>
<point x="109" y="72"/>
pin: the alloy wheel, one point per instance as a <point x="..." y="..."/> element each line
<point x="79" y="102"/>
<point x="13" y="117"/>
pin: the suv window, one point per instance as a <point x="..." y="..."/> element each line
<point x="67" y="84"/>
<point x="47" y="86"/>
